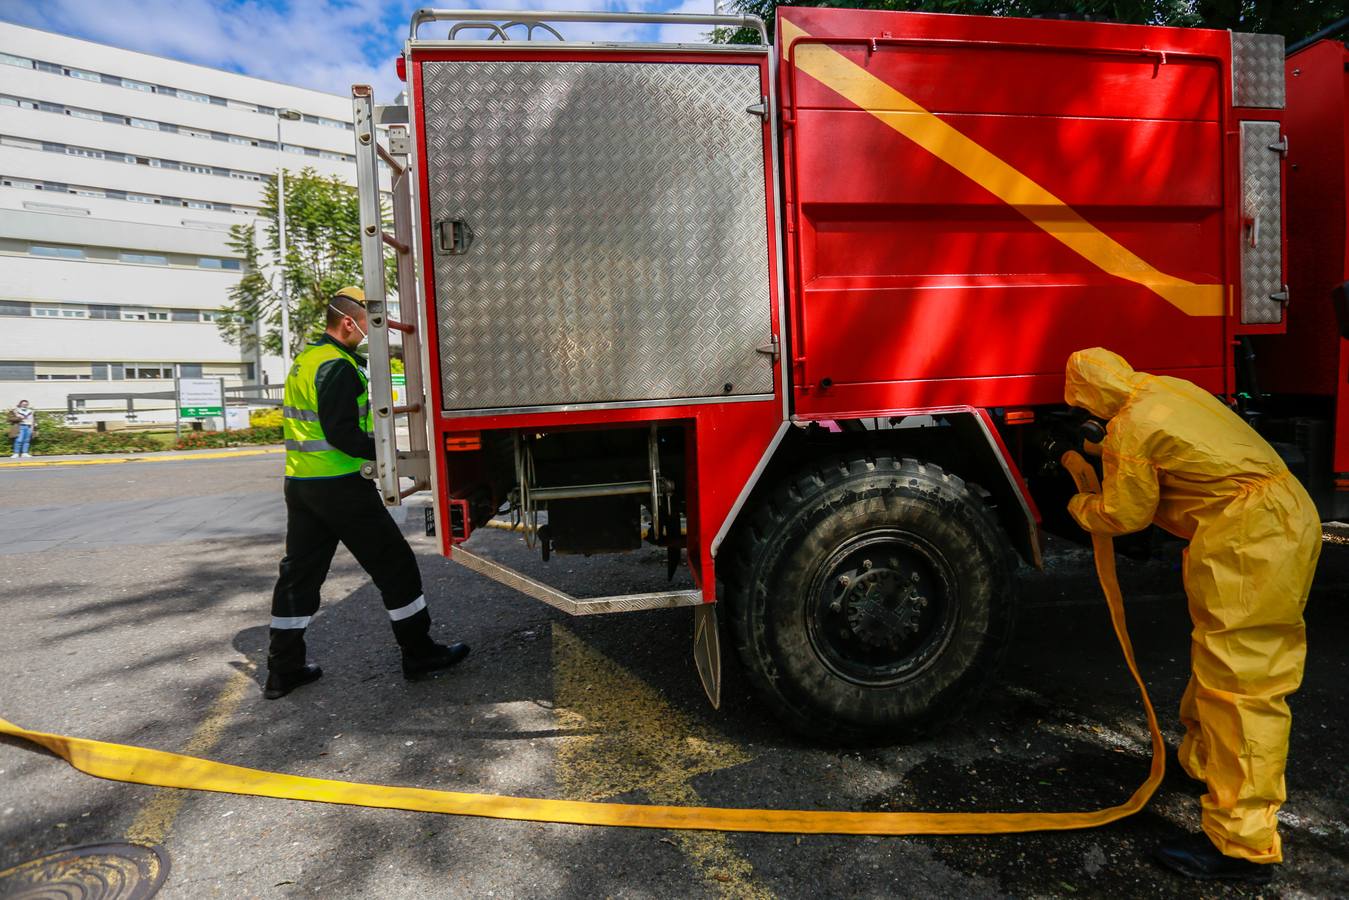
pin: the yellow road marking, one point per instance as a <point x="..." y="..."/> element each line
<point x="115" y="460"/>
<point x="899" y="112"/>
<point x="152" y="823"/>
<point x="624" y="737"/>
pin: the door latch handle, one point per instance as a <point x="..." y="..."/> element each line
<point x="453" y="237"/>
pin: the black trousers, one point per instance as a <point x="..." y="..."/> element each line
<point x="319" y="513"/>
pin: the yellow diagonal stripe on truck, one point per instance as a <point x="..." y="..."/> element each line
<point x="1056" y="218"/>
<point x="140" y="765"/>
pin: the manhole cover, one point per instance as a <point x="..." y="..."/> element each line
<point x="92" y="872"/>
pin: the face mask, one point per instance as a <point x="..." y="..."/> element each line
<point x="364" y="337"/>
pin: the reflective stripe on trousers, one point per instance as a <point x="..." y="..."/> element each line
<point x="285" y="623"/>
<point x="404" y="612"/>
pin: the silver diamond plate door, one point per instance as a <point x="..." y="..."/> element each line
<point x="1262" y="290"/>
<point x="1257" y="70"/>
<point x="602" y="235"/>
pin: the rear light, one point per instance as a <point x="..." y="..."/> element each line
<point x="1019" y="416"/>
<point x="461" y="442"/>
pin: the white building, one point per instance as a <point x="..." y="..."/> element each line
<point x="120" y="176"/>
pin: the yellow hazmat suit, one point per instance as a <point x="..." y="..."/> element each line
<point x="1176" y="455"/>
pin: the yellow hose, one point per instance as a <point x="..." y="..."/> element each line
<point x="139" y="765"/>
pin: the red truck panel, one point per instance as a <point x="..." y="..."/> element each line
<point x="972" y="199"/>
<point x="1311" y="358"/>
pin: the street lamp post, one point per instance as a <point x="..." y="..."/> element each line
<point x="290" y="115"/>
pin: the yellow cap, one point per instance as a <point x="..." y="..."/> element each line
<point x="351" y="292"/>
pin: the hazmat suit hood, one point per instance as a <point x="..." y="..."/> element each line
<point x="1100" y="382"/>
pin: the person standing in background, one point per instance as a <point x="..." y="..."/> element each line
<point x="22" y="427"/>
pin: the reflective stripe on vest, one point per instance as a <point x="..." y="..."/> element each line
<point x="308" y="453"/>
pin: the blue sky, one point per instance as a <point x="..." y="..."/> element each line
<point x="323" y="44"/>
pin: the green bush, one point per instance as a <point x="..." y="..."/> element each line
<point x="55" y="438"/>
<point x="206" y="440"/>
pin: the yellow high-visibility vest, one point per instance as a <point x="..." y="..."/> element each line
<point x="308" y="453"/>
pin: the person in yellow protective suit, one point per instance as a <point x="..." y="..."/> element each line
<point x="1175" y="455"/>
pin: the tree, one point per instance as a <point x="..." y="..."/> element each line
<point x="1293" y="19"/>
<point x="323" y="254"/>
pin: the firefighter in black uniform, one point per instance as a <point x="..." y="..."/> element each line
<point x="328" y="437"/>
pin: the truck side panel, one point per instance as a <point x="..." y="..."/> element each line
<point x="966" y="215"/>
<point x="533" y="293"/>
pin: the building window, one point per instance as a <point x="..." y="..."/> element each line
<point x="138" y="86"/>
<point x="85" y="152"/>
<point x="292" y="148"/>
<point x="56" y="252"/>
<point x="84" y="76"/>
<point x="133" y="315"/>
<point x="55" y="371"/>
<point x="88" y="192"/>
<point x="84" y="114"/>
<point x="156" y="315"/>
<point x="145" y="259"/>
<point x="143" y="123"/>
<point x="200" y="204"/>
<point x="141" y="198"/>
<point x="53" y="311"/>
<point x="211" y="262"/>
<point x="148" y="371"/>
<point x="210" y="315"/>
<point x="194" y="97"/>
<point x="194" y="132"/>
<point x="8" y="60"/>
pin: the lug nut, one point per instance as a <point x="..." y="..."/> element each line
<point x="844" y="581"/>
<point x="866" y="564"/>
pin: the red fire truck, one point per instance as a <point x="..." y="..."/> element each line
<point x="799" y="313"/>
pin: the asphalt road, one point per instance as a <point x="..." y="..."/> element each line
<point x="134" y="601"/>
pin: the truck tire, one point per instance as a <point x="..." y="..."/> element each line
<point x="870" y="597"/>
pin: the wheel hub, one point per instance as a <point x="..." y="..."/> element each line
<point x="882" y="605"/>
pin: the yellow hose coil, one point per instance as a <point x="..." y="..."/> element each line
<point x="139" y="765"/>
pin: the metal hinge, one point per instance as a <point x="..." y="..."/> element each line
<point x="400" y="143"/>
<point x="1281" y="147"/>
<point x="770" y="348"/>
<point x="759" y="109"/>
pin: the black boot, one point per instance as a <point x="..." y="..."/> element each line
<point x="279" y="684"/>
<point x="1196" y="857"/>
<point x="434" y="658"/>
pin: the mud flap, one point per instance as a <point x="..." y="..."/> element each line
<point x="707" y="651"/>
